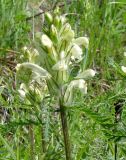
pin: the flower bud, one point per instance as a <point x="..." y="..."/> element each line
<point x="67" y="33"/>
<point x="54" y="34"/>
<point x="53" y="30"/>
<point x="46" y="41"/>
<point x="57" y="21"/>
<point x="57" y="11"/>
<point x="48" y="17"/>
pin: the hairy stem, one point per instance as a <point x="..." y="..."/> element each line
<point x="65" y="132"/>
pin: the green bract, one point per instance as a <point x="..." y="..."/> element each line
<point x="57" y="52"/>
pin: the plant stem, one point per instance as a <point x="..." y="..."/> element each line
<point x="31" y="134"/>
<point x="65" y="132"/>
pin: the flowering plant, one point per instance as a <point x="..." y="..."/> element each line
<point x="58" y="61"/>
<point x="57" y="55"/>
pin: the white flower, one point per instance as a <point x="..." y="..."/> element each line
<point x="86" y="74"/>
<point x="46" y="41"/>
<point x="123" y="69"/>
<point x="76" y="52"/>
<point x="68" y="36"/>
<point x="35" y="68"/>
<point x="68" y="33"/>
<point x="68" y="96"/>
<point x="81" y="84"/>
<point x="82" y="41"/>
<point x="60" y="65"/>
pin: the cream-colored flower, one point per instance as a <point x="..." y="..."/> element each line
<point x="82" y="41"/>
<point x="60" y="65"/>
<point x="123" y="69"/>
<point x="86" y="74"/>
<point x="35" y="68"/>
<point x="80" y="84"/>
<point x="76" y="52"/>
<point x="46" y="41"/>
<point x="67" y="33"/>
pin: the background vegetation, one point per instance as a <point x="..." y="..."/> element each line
<point x="33" y="131"/>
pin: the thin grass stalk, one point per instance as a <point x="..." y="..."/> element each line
<point x="65" y="132"/>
